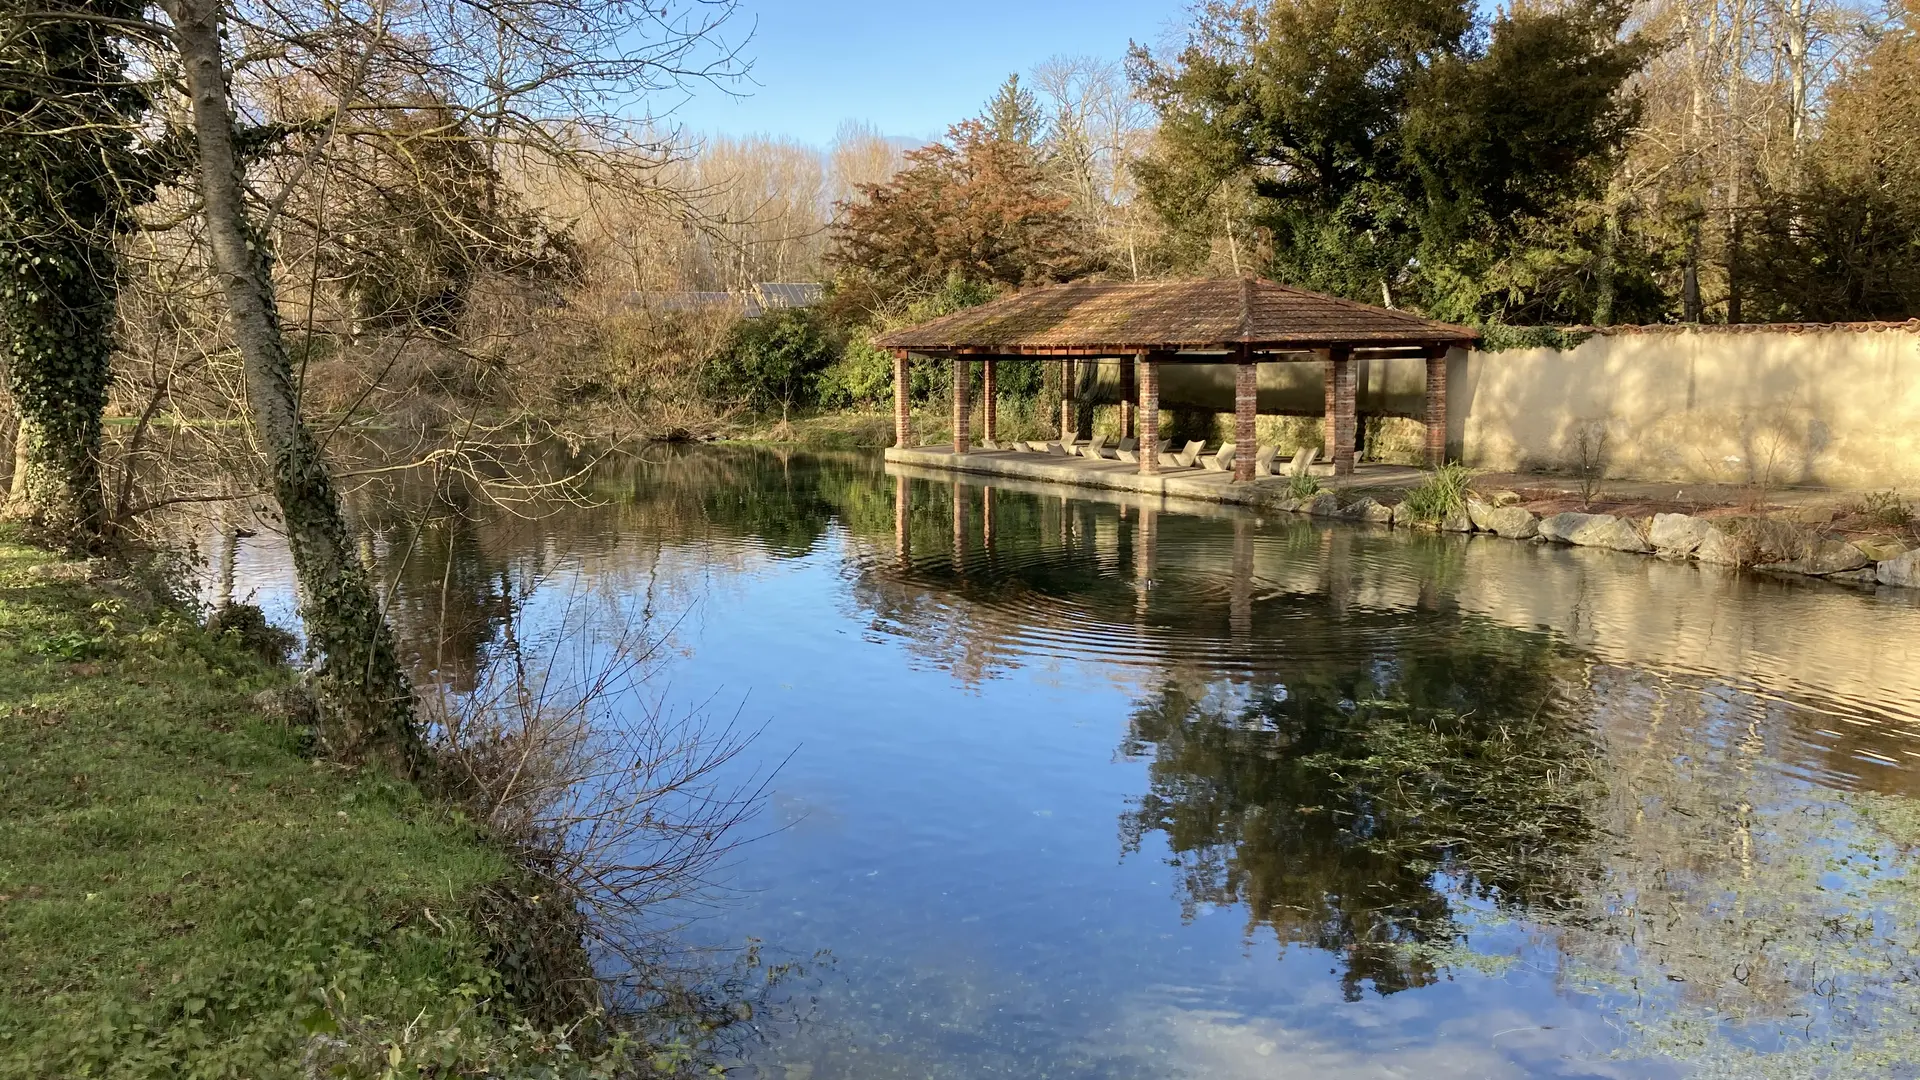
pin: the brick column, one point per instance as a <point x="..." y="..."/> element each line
<point x="959" y="528"/>
<point x="1436" y="406"/>
<point x="903" y="519"/>
<point x="962" y="408"/>
<point x="1326" y="417"/>
<point x="1149" y="413"/>
<point x="1246" y="386"/>
<point x="1128" y="395"/>
<point x="1146" y="540"/>
<point x="989" y="407"/>
<point x="1067" y="390"/>
<point x="1342" y="419"/>
<point x="1240" y="592"/>
<point x="902" y="407"/>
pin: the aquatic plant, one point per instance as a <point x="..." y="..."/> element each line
<point x="1444" y="492"/>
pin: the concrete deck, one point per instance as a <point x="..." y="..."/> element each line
<point x="1172" y="482"/>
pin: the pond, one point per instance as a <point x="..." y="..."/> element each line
<point x="1065" y="785"/>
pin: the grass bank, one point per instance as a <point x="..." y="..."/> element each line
<point x="185" y="893"/>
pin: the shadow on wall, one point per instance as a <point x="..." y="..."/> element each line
<point x="1833" y="407"/>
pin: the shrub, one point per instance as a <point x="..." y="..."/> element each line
<point x="862" y="375"/>
<point x="249" y="628"/>
<point x="1499" y="337"/>
<point x="1886" y="508"/>
<point x="1303" y="486"/>
<point x="773" y="362"/>
<point x="1443" y="493"/>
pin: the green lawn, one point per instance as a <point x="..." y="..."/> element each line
<point x="183" y="893"/>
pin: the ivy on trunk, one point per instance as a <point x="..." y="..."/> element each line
<point x="365" y="697"/>
<point x="69" y="173"/>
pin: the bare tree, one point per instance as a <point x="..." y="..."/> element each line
<point x="536" y="84"/>
<point x="1098" y="128"/>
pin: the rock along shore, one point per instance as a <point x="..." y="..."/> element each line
<point x="1763" y="544"/>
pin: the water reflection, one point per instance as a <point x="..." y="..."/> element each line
<point x="1474" y="808"/>
<point x="1354" y="807"/>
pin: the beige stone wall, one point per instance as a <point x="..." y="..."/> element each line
<point x="1815" y="406"/>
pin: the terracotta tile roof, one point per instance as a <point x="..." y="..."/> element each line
<point x="1125" y="317"/>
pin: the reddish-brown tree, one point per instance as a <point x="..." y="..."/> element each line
<point x="978" y="205"/>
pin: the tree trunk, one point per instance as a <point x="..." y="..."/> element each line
<point x="56" y="480"/>
<point x="366" y="699"/>
<point x="1604" y="287"/>
<point x="1691" y="308"/>
<point x="17" y="480"/>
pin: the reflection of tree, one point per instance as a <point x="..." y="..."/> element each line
<point x="1356" y="807"/>
<point x="456" y="561"/>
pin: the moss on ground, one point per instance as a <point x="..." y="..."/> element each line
<point x="185" y="893"/>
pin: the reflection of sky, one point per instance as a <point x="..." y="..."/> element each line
<point x="955" y="848"/>
<point x="952" y="839"/>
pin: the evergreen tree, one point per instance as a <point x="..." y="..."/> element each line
<point x="1404" y="148"/>
<point x="1013" y="114"/>
<point x="1846" y="246"/>
<point x="977" y="206"/>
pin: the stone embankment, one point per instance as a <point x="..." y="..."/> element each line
<point x="1762" y="544"/>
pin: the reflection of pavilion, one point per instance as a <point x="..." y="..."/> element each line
<point x="1364" y="742"/>
<point x="1239" y="584"/>
<point x="1197" y="328"/>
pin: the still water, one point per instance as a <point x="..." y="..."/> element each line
<point x="1069" y="786"/>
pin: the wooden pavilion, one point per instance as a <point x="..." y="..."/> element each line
<point x="1243" y="321"/>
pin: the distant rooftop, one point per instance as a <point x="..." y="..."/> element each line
<point x="763" y="297"/>
<point x="774" y="295"/>
<point x="1211" y="314"/>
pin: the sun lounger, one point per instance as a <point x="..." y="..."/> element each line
<point x="1128" y="450"/>
<point x="1058" y="450"/>
<point x="1303" y="460"/>
<point x="1263" y="460"/>
<point x="1221" y="461"/>
<point x="1190" y="456"/>
<point x="1094" y="450"/>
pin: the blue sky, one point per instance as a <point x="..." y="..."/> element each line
<point x="908" y="68"/>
